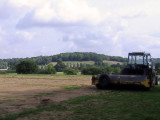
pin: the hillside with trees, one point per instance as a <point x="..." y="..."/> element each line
<point x="75" y="56"/>
<point x="86" y="56"/>
<point x="81" y="61"/>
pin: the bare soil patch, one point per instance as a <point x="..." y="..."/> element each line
<point x="18" y="93"/>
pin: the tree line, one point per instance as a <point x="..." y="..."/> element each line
<point x="75" y="56"/>
<point x="30" y="67"/>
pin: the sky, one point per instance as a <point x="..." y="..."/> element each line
<point x="30" y="28"/>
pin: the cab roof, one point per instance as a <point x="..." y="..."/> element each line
<point x="139" y="53"/>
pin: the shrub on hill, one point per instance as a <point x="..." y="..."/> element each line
<point x="60" y="66"/>
<point x="93" y="70"/>
<point x="70" y="71"/>
<point x="116" y="70"/>
<point x="27" y="67"/>
<point x="49" y="69"/>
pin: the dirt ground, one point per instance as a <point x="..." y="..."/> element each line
<point x="18" y="93"/>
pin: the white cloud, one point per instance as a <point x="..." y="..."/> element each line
<point x="75" y="10"/>
<point x="26" y="35"/>
<point x="2" y="31"/>
<point x="62" y="13"/>
<point x="27" y="3"/>
<point x="96" y="42"/>
<point x="44" y="14"/>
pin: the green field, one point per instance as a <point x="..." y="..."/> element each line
<point x="108" y="105"/>
<point x="75" y="62"/>
<point x="87" y="62"/>
<point x="111" y="62"/>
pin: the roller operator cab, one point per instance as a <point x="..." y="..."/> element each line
<point x="139" y="71"/>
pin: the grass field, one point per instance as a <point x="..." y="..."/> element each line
<point x="112" y="62"/>
<point x="87" y="62"/>
<point x="73" y="98"/>
<point x="75" y="62"/>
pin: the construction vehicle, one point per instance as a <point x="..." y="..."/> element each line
<point x="140" y="70"/>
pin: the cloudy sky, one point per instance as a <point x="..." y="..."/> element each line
<point x="30" y="28"/>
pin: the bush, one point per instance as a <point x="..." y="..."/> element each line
<point x="116" y="70"/>
<point x="49" y="69"/>
<point x="60" y="66"/>
<point x="27" y="67"/>
<point x="92" y="70"/>
<point x="70" y="71"/>
<point x="107" y="69"/>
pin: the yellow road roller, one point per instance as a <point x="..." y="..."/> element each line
<point x="139" y="71"/>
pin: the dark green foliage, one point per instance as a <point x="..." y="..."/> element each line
<point x="76" y="56"/>
<point x="86" y="56"/>
<point x="3" y="64"/>
<point x="81" y="66"/>
<point x="116" y="70"/>
<point x="49" y="69"/>
<point x="107" y="69"/>
<point x="60" y="66"/>
<point x="70" y="71"/>
<point x="99" y="63"/>
<point x="27" y="67"/>
<point x="117" y="58"/>
<point x="116" y="65"/>
<point x="13" y="62"/>
<point x="93" y="70"/>
<point x="42" y="60"/>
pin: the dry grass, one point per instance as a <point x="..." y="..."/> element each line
<point x="18" y="85"/>
<point x="20" y="92"/>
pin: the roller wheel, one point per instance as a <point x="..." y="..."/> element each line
<point x="104" y="81"/>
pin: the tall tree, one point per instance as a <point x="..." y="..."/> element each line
<point x="27" y="67"/>
<point x="50" y="69"/>
<point x="60" y="66"/>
